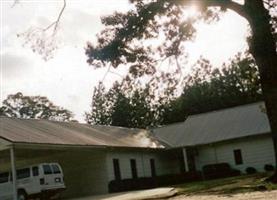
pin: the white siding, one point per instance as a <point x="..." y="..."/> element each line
<point x="256" y="152"/>
<point x="165" y="163"/>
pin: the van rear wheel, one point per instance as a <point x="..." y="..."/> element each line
<point x="21" y="195"/>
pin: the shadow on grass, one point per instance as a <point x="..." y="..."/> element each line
<point x="228" y="186"/>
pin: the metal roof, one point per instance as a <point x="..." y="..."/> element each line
<point x="216" y="126"/>
<point x="70" y="133"/>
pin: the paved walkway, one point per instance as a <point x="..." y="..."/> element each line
<point x="156" y="193"/>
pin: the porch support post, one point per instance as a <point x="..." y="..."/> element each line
<point x="12" y="154"/>
<point x="185" y="159"/>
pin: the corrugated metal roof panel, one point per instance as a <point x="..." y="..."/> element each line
<point x="216" y="126"/>
<point x="69" y="133"/>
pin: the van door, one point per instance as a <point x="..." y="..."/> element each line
<point x="53" y="176"/>
<point x="5" y="186"/>
<point x="58" y="174"/>
<point x="48" y="175"/>
<point x="24" y="180"/>
<point x="35" y="174"/>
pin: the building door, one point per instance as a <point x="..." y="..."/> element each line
<point x="191" y="153"/>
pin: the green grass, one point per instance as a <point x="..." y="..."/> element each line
<point x="232" y="185"/>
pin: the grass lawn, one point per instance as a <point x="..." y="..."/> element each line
<point x="232" y="185"/>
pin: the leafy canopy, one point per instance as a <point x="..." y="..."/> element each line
<point x="134" y="104"/>
<point x="33" y="107"/>
<point x="152" y="32"/>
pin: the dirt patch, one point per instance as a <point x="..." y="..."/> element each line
<point x="270" y="195"/>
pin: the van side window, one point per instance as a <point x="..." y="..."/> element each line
<point x="23" y="173"/>
<point x="4" y="177"/>
<point x="35" y="171"/>
<point x="47" y="169"/>
<point x="56" y="169"/>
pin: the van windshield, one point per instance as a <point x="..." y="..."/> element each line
<point x="56" y="169"/>
<point x="47" y="169"/>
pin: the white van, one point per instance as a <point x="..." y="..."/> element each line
<point x="44" y="181"/>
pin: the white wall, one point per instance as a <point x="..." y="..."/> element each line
<point x="256" y="152"/>
<point x="165" y="162"/>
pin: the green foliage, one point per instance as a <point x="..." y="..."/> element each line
<point x="208" y="89"/>
<point x="120" y="106"/>
<point x="151" y="32"/>
<point x="100" y="107"/>
<point x="133" y="104"/>
<point x="33" y="107"/>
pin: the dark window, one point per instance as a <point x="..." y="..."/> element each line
<point x="4" y="177"/>
<point x="116" y="169"/>
<point x="191" y="152"/>
<point x="153" y="167"/>
<point x="23" y="173"/>
<point x="47" y="169"/>
<point x="56" y="169"/>
<point x="238" y="157"/>
<point x="35" y="171"/>
<point x="134" y="168"/>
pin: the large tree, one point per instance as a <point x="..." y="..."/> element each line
<point x="123" y="40"/>
<point x="100" y="107"/>
<point x="33" y="107"/>
<point x="133" y="104"/>
<point x="124" y="106"/>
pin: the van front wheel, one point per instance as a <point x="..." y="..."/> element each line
<point x="21" y="195"/>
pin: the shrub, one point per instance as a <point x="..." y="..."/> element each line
<point x="219" y="170"/>
<point x="269" y="168"/>
<point x="151" y="182"/>
<point x="251" y="170"/>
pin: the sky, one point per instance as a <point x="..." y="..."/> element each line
<point x="67" y="79"/>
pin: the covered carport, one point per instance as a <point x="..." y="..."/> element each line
<point x="80" y="149"/>
<point x="84" y="168"/>
<point x="6" y="148"/>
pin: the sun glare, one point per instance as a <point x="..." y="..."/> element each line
<point x="192" y="10"/>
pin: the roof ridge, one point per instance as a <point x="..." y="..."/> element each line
<point x="166" y="125"/>
<point x="71" y="122"/>
<point x="224" y="109"/>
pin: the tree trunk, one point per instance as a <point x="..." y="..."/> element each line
<point x="263" y="49"/>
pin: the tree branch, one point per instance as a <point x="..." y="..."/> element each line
<point x="56" y="23"/>
<point x="14" y="3"/>
<point x="224" y="4"/>
<point x="229" y="4"/>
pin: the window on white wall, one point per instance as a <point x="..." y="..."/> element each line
<point x="116" y="168"/>
<point x="153" y="167"/>
<point x="238" y="157"/>
<point x="133" y="164"/>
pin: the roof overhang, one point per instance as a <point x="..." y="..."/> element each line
<point x="45" y="146"/>
<point x="260" y="135"/>
<point x="4" y="144"/>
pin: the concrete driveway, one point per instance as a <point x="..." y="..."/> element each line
<point x="156" y="193"/>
